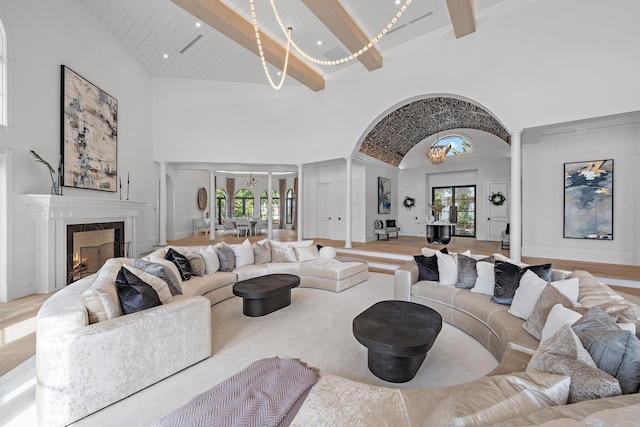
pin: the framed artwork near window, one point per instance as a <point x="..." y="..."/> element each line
<point x="89" y="140"/>
<point x="384" y="195"/>
<point x="588" y="200"/>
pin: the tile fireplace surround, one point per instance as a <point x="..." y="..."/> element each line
<point x="52" y="214"/>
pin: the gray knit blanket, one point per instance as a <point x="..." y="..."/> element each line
<point x="269" y="392"/>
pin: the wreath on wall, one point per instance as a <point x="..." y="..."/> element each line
<point x="409" y="202"/>
<point x="497" y="199"/>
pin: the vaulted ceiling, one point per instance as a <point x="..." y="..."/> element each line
<point x="402" y="129"/>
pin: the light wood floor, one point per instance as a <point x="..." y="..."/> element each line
<point x="18" y="317"/>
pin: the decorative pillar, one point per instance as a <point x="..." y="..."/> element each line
<point x="299" y="203"/>
<point x="212" y="205"/>
<point x="162" y="202"/>
<point x="515" y="230"/>
<point x="269" y="206"/>
<point x="347" y="241"/>
<point x="6" y="232"/>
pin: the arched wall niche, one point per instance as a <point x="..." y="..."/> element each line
<point x="394" y="133"/>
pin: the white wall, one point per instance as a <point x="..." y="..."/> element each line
<point x="42" y="36"/>
<point x="543" y="190"/>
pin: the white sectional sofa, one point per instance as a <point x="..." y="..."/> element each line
<point x="83" y="365"/>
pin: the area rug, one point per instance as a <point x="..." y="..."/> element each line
<point x="316" y="329"/>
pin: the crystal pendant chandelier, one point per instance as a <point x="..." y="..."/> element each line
<point x="252" y="181"/>
<point x="437" y="154"/>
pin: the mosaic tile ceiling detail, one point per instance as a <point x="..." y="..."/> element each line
<point x="397" y="133"/>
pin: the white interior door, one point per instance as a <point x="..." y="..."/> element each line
<point x="341" y="210"/>
<point x="497" y="216"/>
<point x="408" y="217"/>
<point x="323" y="210"/>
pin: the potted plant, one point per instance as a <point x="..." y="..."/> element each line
<point x="55" y="188"/>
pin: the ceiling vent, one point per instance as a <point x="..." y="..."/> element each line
<point x="394" y="29"/>
<point x="335" y="53"/>
<point x="191" y="43"/>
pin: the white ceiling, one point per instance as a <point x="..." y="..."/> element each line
<point x="149" y="29"/>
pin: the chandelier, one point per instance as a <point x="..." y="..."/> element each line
<point x="252" y="181"/>
<point x="437" y="154"/>
<point x="290" y="42"/>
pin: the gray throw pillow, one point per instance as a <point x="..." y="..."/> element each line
<point x="549" y="297"/>
<point x="226" y="256"/>
<point x="162" y="272"/>
<point x="563" y="354"/>
<point x="197" y="263"/>
<point x="595" y="318"/>
<point x="261" y="252"/>
<point x="467" y="273"/>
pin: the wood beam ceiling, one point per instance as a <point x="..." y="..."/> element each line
<point x="339" y="22"/>
<point x="223" y="19"/>
<point x="462" y="17"/>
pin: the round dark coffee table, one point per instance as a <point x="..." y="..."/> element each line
<point x="398" y="335"/>
<point x="265" y="294"/>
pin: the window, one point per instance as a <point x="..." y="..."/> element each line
<point x="243" y="203"/>
<point x="275" y="206"/>
<point x="289" y="206"/>
<point x="459" y="207"/>
<point x="4" y="65"/>
<point x="459" y="144"/>
<point x="221" y="205"/>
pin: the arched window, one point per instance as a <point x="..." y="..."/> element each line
<point x="4" y="65"/>
<point x="459" y="144"/>
<point x="289" y="206"/>
<point x="243" y="203"/>
<point x="221" y="205"/>
<point x="275" y="203"/>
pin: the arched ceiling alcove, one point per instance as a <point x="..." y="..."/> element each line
<point x="398" y="132"/>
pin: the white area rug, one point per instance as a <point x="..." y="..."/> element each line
<point x="316" y="328"/>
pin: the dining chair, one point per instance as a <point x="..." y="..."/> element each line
<point x="261" y="225"/>
<point x="229" y="228"/>
<point x="244" y="226"/>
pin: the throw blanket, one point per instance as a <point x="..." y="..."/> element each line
<point x="268" y="392"/>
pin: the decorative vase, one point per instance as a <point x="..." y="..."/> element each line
<point x="55" y="190"/>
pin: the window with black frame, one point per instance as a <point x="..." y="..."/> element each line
<point x="458" y="204"/>
<point x="289" y="206"/>
<point x="221" y="205"/>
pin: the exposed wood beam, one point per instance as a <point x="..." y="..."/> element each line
<point x="223" y="19"/>
<point x="462" y="17"/>
<point x="340" y="23"/>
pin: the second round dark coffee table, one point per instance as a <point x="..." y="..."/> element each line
<point x="265" y="294"/>
<point x="398" y="335"/>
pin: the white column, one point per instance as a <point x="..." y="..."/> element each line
<point x="270" y="206"/>
<point x="347" y="241"/>
<point x="163" y="204"/>
<point x="212" y="205"/>
<point x="6" y="232"/>
<point x="299" y="203"/>
<point x="515" y="230"/>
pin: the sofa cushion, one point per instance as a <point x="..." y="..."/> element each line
<point x="163" y="269"/>
<point x="564" y="354"/>
<point x="243" y="253"/>
<point x="198" y="267"/>
<point x="181" y="262"/>
<point x="507" y="277"/>
<point x="327" y="252"/>
<point x="499" y="398"/>
<point x="309" y="253"/>
<point x="530" y="288"/>
<point x="549" y="297"/>
<point x="485" y="282"/>
<point x="101" y="299"/>
<point x="431" y="252"/>
<point x="135" y="295"/>
<point x="447" y="269"/>
<point x="211" y="261"/>
<point x="331" y="269"/>
<point x="226" y="256"/>
<point x="299" y="244"/>
<point x="261" y="252"/>
<point x="160" y="286"/>
<point x="557" y="318"/>
<point x="201" y="285"/>
<point x="283" y="254"/>
<point x="251" y="271"/>
<point x="283" y="267"/>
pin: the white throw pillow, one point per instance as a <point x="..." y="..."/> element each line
<point x="243" y="253"/>
<point x="327" y="252"/>
<point x="427" y="252"/>
<point x="570" y="288"/>
<point x="160" y="286"/>
<point x="309" y="253"/>
<point x="486" y="280"/>
<point x="169" y="264"/>
<point x="281" y="245"/>
<point x="211" y="261"/>
<point x="283" y="254"/>
<point x="557" y="318"/>
<point x="527" y="294"/>
<point x="447" y="269"/>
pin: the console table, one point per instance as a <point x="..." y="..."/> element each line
<point x="440" y="232"/>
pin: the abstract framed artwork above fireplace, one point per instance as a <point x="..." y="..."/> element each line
<point x="53" y="214"/>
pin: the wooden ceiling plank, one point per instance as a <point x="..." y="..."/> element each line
<point x="341" y="24"/>
<point x="462" y="17"/>
<point x="223" y="19"/>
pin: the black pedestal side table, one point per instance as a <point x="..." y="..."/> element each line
<point x="265" y="294"/>
<point x="398" y="335"/>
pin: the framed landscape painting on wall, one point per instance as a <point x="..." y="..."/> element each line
<point x="384" y="195"/>
<point x="89" y="134"/>
<point x="588" y="200"/>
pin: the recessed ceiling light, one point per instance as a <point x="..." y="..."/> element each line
<point x="397" y="2"/>
<point x="319" y="42"/>
<point x="279" y="73"/>
<point x="198" y="24"/>
<point x="165" y="56"/>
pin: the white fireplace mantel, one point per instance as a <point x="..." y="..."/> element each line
<point x="52" y="214"/>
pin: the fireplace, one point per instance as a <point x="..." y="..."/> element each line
<point x="53" y="215"/>
<point x="89" y="246"/>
